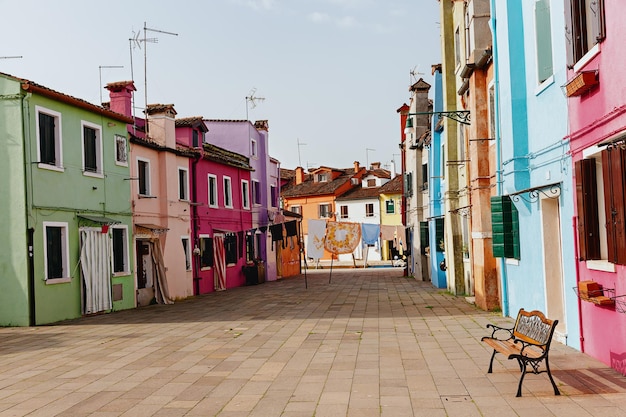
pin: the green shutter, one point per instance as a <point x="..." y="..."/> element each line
<point x="505" y="228"/>
<point x="424" y="236"/>
<point x="543" y="38"/>
<point x="439" y="234"/>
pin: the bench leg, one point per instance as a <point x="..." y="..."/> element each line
<point x="556" y="389"/>
<point x="521" y="379"/>
<point x="493" y="355"/>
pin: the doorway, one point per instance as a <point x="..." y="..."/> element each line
<point x="146" y="270"/>
<point x="553" y="265"/>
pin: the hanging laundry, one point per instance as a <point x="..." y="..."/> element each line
<point x="263" y="229"/>
<point x="291" y="229"/>
<point x="370" y="233"/>
<point x="342" y="237"/>
<point x="401" y="237"/>
<point x="277" y="233"/>
<point x="387" y="232"/>
<point x="315" y="238"/>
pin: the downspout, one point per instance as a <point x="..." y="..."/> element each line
<point x="492" y="23"/>
<point x="194" y="216"/>
<point x="577" y="264"/>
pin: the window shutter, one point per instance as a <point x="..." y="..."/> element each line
<point x="424" y="236"/>
<point x="613" y="168"/>
<point x="439" y="234"/>
<point x="90" y="149"/>
<point x="505" y="228"/>
<point x="596" y="7"/>
<point x="569" y="34"/>
<point x="46" y="139"/>
<point x="587" y="203"/>
<point x="543" y="40"/>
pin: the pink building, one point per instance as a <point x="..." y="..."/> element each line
<point x="597" y="113"/>
<point x="221" y="210"/>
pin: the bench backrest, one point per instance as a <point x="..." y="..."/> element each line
<point x="534" y="327"/>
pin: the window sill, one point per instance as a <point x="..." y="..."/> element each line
<point x="93" y="174"/>
<point x="51" y="167"/>
<point x="512" y="261"/>
<point x="121" y="274"/>
<point x="146" y="196"/>
<point x="53" y="281"/>
<point x="590" y="55"/>
<point x="544" y="85"/>
<point x="121" y="164"/>
<point x="205" y="268"/>
<point x="213" y="206"/>
<point x="601" y="265"/>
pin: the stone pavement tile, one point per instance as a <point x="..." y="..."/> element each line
<point x="94" y="403"/>
<point x="395" y="411"/>
<point x="301" y="407"/>
<point x="331" y="410"/>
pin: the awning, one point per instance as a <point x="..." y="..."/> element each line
<point x="150" y="228"/>
<point x="99" y="219"/>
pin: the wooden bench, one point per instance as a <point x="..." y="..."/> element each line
<point x="528" y="342"/>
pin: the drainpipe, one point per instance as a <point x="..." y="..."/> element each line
<point x="194" y="215"/>
<point x="492" y="23"/>
<point x="577" y="264"/>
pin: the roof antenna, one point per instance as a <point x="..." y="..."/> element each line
<point x="252" y="100"/>
<point x="414" y="73"/>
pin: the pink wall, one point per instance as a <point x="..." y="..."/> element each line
<point x="594" y="117"/>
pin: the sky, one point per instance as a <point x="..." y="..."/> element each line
<point x="328" y="75"/>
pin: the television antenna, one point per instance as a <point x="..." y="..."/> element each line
<point x="300" y="144"/>
<point x="252" y="99"/>
<point x="11" y="57"/>
<point x="414" y="73"/>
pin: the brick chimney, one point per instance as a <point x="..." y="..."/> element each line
<point x="299" y="175"/>
<point x="375" y="165"/>
<point x="121" y="97"/>
<point x="357" y="166"/>
<point x="262" y="125"/>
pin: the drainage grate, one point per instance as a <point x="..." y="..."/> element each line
<point x="455" y="398"/>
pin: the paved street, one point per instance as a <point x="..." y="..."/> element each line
<point x="370" y="343"/>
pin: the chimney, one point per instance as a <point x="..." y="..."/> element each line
<point x="262" y="125"/>
<point x="162" y="124"/>
<point x="375" y="165"/>
<point x="121" y="97"/>
<point x="299" y="175"/>
<point x="356" y="167"/>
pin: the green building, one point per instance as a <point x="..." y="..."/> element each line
<point x="67" y="218"/>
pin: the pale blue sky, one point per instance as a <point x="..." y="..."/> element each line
<point x="332" y="72"/>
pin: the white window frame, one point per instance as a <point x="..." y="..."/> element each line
<point x="124" y="142"/>
<point x="341" y="211"/>
<point x="228" y="191"/>
<point x="245" y="194"/>
<point x="125" y="253"/>
<point x="58" y="140"/>
<point x="213" y="194"/>
<point x="65" y="248"/>
<point x="200" y="238"/>
<point x="148" y="178"/>
<point x="369" y="213"/>
<point x="187" y="251"/>
<point x="296" y="209"/>
<point x="98" y="173"/>
<point x="328" y="211"/>
<point x="273" y="196"/>
<point x="183" y="194"/>
<point x="254" y="148"/>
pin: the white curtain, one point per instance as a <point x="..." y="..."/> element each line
<point x="95" y="263"/>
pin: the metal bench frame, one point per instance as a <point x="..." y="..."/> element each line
<point x="528" y="342"/>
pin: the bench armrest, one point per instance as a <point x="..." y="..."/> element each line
<point x="525" y="344"/>
<point x="504" y="333"/>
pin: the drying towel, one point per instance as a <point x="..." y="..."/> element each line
<point x="277" y="233"/>
<point x="387" y="232"/>
<point x="401" y="237"/>
<point x="342" y="237"/>
<point x="315" y="238"/>
<point x="291" y="228"/>
<point x="370" y="233"/>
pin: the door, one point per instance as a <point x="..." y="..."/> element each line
<point x="552" y="265"/>
<point x="145" y="273"/>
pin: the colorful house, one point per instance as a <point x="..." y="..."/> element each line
<point x="361" y="205"/>
<point x="597" y="126"/>
<point x="390" y="207"/>
<point x="252" y="141"/>
<point x="533" y="209"/>
<point x="68" y="216"/>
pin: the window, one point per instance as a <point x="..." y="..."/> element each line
<point x="119" y="234"/>
<point x="343" y="211"/>
<point x="256" y="192"/>
<point x="408" y="184"/>
<point x="424" y="177"/>
<point x="371" y="182"/>
<point x="195" y="139"/>
<point x="369" y="210"/>
<point x="424" y="237"/>
<point x="121" y="151"/>
<point x="457" y="47"/>
<point x="143" y="171"/>
<point x="600" y="197"/>
<point x="92" y="148"/>
<point x="245" y="194"/>
<point x="584" y="27"/>
<point x="322" y="177"/>
<point x="274" y="196"/>
<point x="228" y="193"/>
<point x="354" y="181"/>
<point x="212" y="190"/>
<point x="206" y="251"/>
<point x="183" y="184"/>
<point x="543" y="40"/>
<point x="390" y="207"/>
<point x="440" y="235"/>
<point x="253" y="148"/>
<point x="250" y="248"/>
<point x="230" y="247"/>
<point x="56" y="249"/>
<point x="186" y="252"/>
<point x="324" y="211"/>
<point x="296" y="209"/>
<point x="49" y="142"/>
